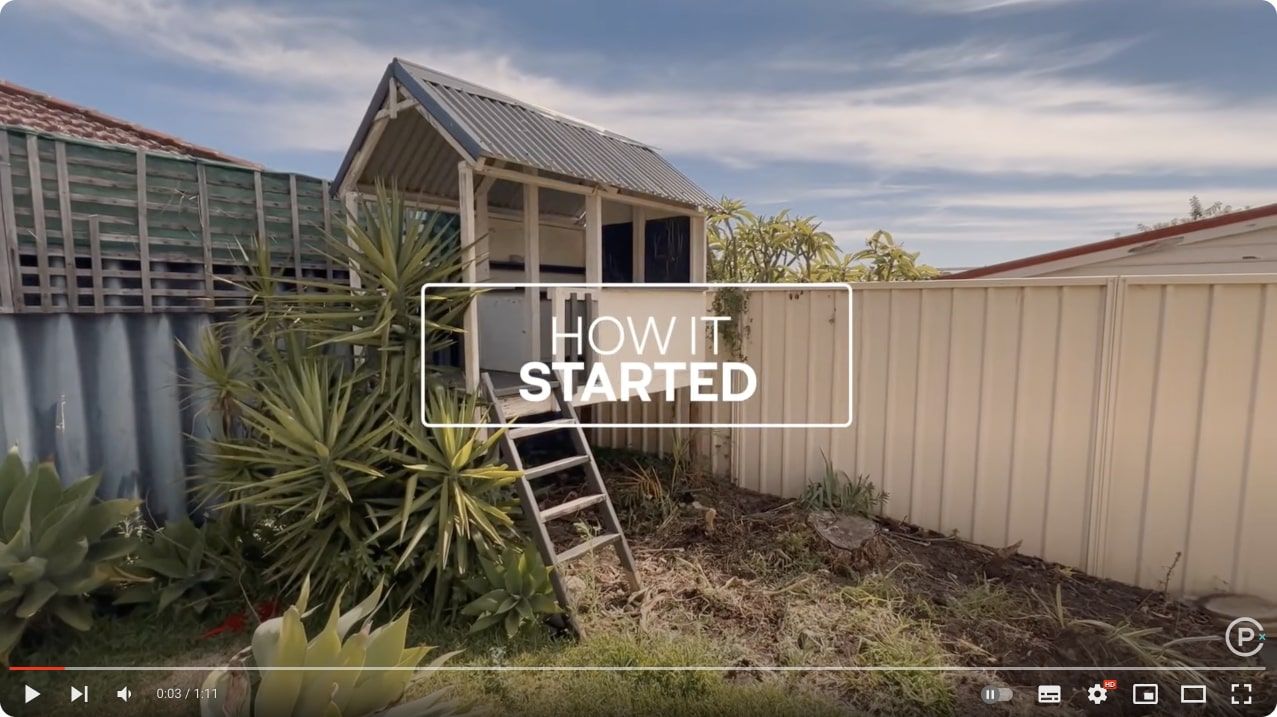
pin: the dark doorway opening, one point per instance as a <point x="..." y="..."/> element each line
<point x="668" y="256"/>
<point x="618" y="253"/>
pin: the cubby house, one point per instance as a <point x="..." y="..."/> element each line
<point x="542" y="199"/>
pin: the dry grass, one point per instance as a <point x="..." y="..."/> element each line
<point x="787" y="610"/>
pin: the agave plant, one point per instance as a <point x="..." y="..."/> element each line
<point x="175" y="562"/>
<point x="369" y="669"/>
<point x="56" y="546"/>
<point x="515" y="593"/>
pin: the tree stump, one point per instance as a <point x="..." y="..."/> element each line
<point x="858" y="537"/>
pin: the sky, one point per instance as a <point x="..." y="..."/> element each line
<point x="973" y="130"/>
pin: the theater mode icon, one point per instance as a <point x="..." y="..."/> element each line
<point x="1192" y="694"/>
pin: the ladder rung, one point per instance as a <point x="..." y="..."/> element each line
<point x="514" y="390"/>
<point x="536" y="429"/>
<point x="572" y="506"/>
<point x="555" y="466"/>
<point x="588" y="546"/>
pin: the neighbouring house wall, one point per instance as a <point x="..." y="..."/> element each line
<point x="1109" y="424"/>
<point x="1253" y="252"/>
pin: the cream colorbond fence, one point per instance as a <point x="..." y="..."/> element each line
<point x="1108" y="423"/>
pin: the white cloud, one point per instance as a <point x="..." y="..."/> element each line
<point x="959" y="7"/>
<point x="311" y="78"/>
<point x="1036" y="55"/>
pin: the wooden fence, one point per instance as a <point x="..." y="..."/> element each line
<point x="86" y="227"/>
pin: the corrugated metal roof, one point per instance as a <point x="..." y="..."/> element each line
<point x="486" y="123"/>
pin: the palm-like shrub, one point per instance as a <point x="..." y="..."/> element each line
<point x="455" y="476"/>
<point x="56" y="546"/>
<point x="321" y="448"/>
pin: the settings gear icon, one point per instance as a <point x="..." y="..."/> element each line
<point x="1097" y="694"/>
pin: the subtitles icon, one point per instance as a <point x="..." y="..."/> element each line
<point x="1049" y="694"/>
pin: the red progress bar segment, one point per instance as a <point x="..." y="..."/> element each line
<point x="37" y="668"/>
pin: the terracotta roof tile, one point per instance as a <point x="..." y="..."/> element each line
<point x="28" y="109"/>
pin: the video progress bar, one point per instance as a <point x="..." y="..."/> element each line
<point x="646" y="668"/>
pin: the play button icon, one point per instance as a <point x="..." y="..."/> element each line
<point x="31" y="693"/>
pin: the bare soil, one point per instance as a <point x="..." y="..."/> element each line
<point x="746" y="571"/>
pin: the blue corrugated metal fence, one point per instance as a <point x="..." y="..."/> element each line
<point x="105" y="394"/>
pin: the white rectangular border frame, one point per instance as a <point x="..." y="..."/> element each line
<point x="851" y="374"/>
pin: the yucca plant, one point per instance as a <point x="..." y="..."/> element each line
<point x="456" y="470"/>
<point x="223" y="362"/>
<point x="392" y="251"/>
<point x="352" y="668"/>
<point x="175" y="563"/>
<point x="307" y="460"/>
<point x="56" y="546"/>
<point x="324" y="445"/>
<point x="514" y="591"/>
<point x="456" y="494"/>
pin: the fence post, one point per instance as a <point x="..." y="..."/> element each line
<point x="10" y="288"/>
<point x="1102" y="441"/>
<point x="67" y="227"/>
<point x="39" y="232"/>
<point x="143" y="233"/>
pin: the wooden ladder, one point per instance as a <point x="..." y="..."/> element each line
<point x="564" y="418"/>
